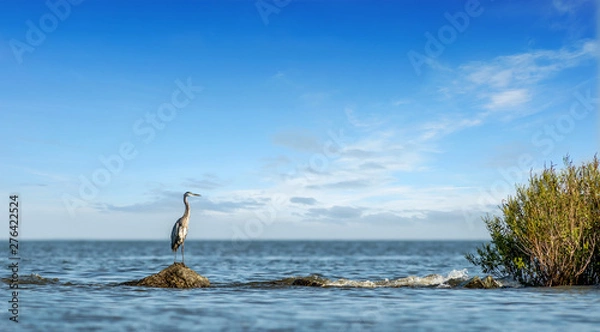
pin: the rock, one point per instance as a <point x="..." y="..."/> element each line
<point x="476" y="282"/>
<point x="175" y="276"/>
<point x="455" y="282"/>
<point x="307" y="282"/>
<point x="310" y="281"/>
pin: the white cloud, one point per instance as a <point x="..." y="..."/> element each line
<point x="297" y="140"/>
<point x="568" y="6"/>
<point x="508" y="98"/>
<point x="279" y="74"/>
<point x="364" y="123"/>
<point x="399" y="102"/>
<point x="510" y="82"/>
<point x="303" y="200"/>
<point x="446" y="126"/>
<point x="207" y="182"/>
<point x="524" y="69"/>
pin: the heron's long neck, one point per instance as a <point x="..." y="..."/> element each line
<point x="186" y="214"/>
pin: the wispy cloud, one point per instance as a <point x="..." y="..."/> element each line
<point x="201" y="184"/>
<point x="528" y="68"/>
<point x="508" y="98"/>
<point x="399" y="102"/>
<point x="445" y="126"/>
<point x="347" y="184"/>
<point x="335" y="213"/>
<point x="565" y="15"/>
<point x="509" y="83"/>
<point x="278" y="75"/>
<point x="46" y="177"/>
<point x="363" y="123"/>
<point x="303" y="200"/>
<point x="297" y="140"/>
<point x="207" y="182"/>
<point x="172" y="201"/>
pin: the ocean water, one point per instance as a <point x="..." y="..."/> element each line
<point x="371" y="285"/>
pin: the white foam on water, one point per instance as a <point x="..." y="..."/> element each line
<point x="352" y="283"/>
<point x="458" y="274"/>
<point x="410" y="281"/>
<point x="415" y="281"/>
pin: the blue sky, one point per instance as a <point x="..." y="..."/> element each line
<point x="293" y="119"/>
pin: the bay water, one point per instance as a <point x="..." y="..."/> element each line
<point x="369" y="285"/>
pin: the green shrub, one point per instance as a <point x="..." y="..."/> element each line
<point x="549" y="233"/>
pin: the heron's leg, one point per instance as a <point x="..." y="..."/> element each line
<point x="182" y="247"/>
<point x="175" y="259"/>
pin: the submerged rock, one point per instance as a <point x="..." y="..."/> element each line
<point x="476" y="282"/>
<point x="175" y="276"/>
<point x="455" y="282"/>
<point x="32" y="279"/>
<point x="310" y="281"/>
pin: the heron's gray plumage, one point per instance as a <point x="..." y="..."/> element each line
<point x="180" y="229"/>
<point x="178" y="235"/>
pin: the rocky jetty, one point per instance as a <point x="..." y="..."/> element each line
<point x="175" y="276"/>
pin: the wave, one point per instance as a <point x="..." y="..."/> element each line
<point x="452" y="279"/>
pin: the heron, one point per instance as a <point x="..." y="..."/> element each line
<point x="180" y="228"/>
